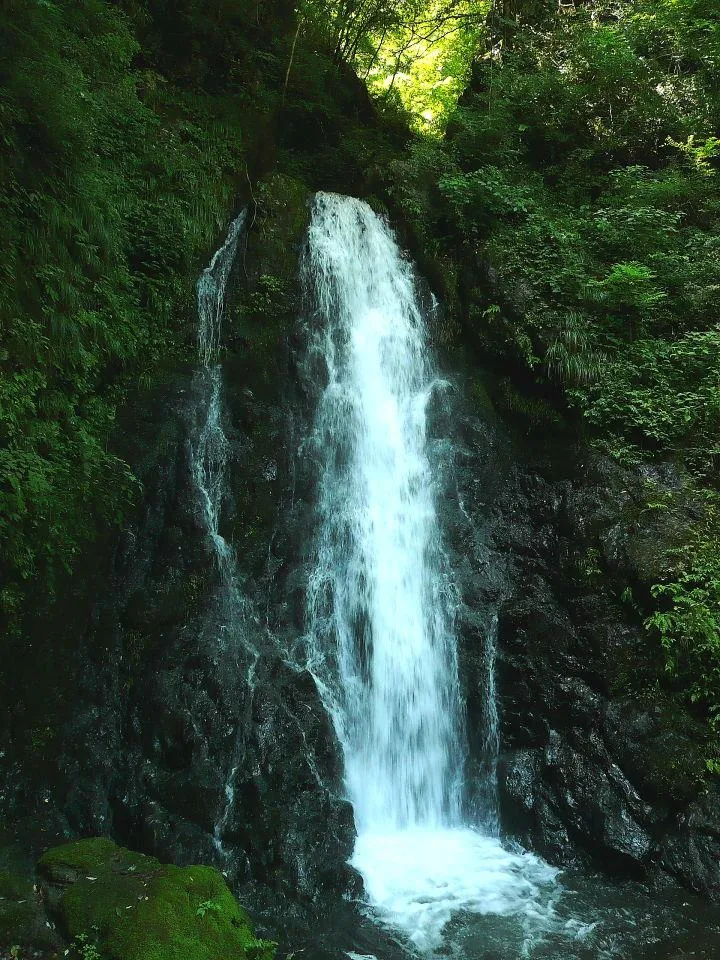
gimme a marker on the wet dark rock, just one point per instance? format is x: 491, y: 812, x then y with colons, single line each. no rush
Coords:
x: 193, y: 733
x: 692, y: 850
x: 592, y: 768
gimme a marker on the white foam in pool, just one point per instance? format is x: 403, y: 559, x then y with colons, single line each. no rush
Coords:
x: 417, y: 879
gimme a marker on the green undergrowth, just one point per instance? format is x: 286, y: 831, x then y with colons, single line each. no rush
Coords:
x: 687, y: 618
x: 115, y: 184
x: 268, y: 299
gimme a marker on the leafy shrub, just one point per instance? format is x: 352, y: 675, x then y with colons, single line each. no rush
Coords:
x: 688, y: 619
x: 475, y: 198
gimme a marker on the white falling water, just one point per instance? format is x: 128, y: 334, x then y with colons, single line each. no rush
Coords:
x: 488, y: 799
x: 210, y: 449
x: 211, y: 287
x: 380, y: 551
x: 380, y: 603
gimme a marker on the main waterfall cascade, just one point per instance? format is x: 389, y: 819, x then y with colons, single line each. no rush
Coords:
x: 381, y: 601
x: 380, y: 552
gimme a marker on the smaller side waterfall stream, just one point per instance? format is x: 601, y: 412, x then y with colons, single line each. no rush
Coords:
x: 380, y: 601
x: 211, y: 287
x: 210, y: 450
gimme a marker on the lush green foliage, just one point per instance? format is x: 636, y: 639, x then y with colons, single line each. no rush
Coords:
x: 688, y: 620
x: 423, y: 60
x: 586, y: 162
x: 586, y: 158
x: 414, y: 55
x: 115, y: 182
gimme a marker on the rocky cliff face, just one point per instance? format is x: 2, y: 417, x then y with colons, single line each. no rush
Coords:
x: 598, y: 764
x: 193, y: 732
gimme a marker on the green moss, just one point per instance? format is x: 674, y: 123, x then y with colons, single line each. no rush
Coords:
x: 13, y: 887
x: 283, y: 215
x: 378, y: 205
x: 675, y: 755
x: 135, y: 908
x: 678, y: 766
x: 271, y: 298
x: 481, y: 398
x: 91, y: 856
x: 530, y: 412
x: 17, y: 907
x: 283, y: 206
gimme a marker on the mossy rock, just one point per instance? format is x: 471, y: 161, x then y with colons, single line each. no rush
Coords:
x: 284, y: 206
x: 132, y: 907
x: 261, y: 317
x: 525, y: 411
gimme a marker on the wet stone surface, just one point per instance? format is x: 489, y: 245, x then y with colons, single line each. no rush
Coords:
x: 590, y: 772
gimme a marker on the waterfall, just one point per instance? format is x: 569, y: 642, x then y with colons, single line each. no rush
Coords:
x: 210, y: 288
x: 380, y: 599
x: 209, y: 453
x: 380, y: 552
x: 210, y: 449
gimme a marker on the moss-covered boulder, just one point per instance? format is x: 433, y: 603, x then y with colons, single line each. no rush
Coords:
x: 132, y: 907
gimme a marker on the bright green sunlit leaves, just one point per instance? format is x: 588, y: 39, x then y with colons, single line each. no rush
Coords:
x: 415, y: 53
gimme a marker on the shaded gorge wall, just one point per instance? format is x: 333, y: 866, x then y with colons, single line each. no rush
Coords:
x: 178, y: 704
x: 202, y: 740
